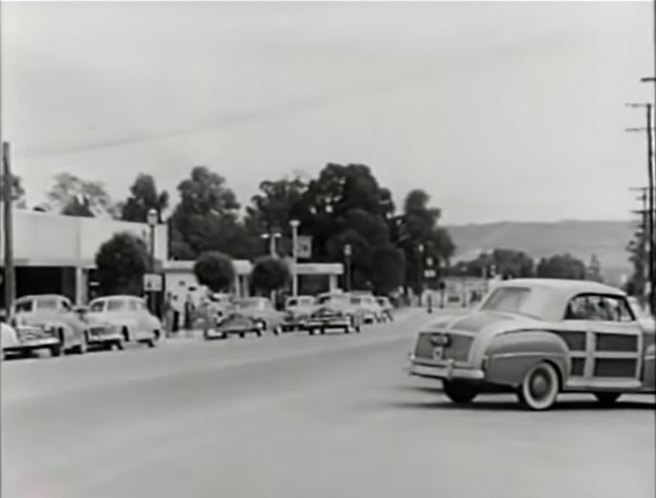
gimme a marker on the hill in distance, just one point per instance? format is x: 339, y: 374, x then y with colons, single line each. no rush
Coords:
x: 605, y: 239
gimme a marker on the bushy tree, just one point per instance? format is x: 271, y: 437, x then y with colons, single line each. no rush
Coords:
x: 269, y: 274
x: 206, y: 211
x: 122, y: 262
x: 561, y: 266
x: 77, y: 197
x: 215, y: 270
x: 144, y: 196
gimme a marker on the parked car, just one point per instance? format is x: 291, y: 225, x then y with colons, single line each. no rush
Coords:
x: 25, y: 339
x: 387, y: 307
x: 124, y: 319
x: 297, y: 311
x: 334, y: 311
x: 538, y: 338
x: 369, y: 308
x: 215, y: 308
x: 54, y: 316
x: 261, y: 310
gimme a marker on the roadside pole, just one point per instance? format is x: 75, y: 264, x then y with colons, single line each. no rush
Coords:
x: 9, y: 274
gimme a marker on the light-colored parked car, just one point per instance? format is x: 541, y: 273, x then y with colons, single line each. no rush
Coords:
x: 25, y: 339
x: 334, y: 311
x: 538, y: 338
x: 297, y: 311
x: 129, y: 320
x: 39, y: 317
x: 370, y: 309
x: 262, y: 310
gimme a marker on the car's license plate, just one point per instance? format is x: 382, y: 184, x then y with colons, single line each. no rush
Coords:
x: 438, y: 353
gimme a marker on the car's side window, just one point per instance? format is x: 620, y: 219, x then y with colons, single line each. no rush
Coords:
x: 65, y: 305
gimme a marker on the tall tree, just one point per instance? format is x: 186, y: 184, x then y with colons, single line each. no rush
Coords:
x: 506, y: 263
x: 206, y: 211
x: 122, y: 262
x: 72, y: 194
x: 144, y: 196
x: 422, y: 240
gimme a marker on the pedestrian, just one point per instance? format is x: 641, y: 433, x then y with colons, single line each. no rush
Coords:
x: 175, y: 305
x: 188, y: 313
x: 168, y: 314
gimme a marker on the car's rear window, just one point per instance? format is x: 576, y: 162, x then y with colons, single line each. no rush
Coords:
x: 511, y: 299
x: 116, y: 305
x: 292, y: 302
x: 46, y: 304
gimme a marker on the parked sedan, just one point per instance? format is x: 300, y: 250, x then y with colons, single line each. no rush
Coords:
x: 25, y: 339
x: 538, y: 338
x: 262, y: 312
x: 334, y: 312
x: 116, y: 320
x: 50, y: 315
x: 297, y: 311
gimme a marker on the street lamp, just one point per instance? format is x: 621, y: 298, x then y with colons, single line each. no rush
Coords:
x: 152, y: 218
x: 347, y: 256
x: 294, y: 224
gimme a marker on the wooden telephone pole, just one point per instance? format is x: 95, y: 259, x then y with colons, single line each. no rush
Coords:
x: 7, y: 201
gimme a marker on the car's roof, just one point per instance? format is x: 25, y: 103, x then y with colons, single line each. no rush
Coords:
x: 565, y: 286
x: 40, y: 296
x: 116, y: 298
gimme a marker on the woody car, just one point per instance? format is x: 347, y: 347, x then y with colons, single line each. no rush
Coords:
x: 539, y: 338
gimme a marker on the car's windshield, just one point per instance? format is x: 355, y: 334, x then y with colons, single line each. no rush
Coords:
x: 509, y: 299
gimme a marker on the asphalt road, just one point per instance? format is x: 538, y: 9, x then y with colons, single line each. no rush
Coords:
x: 301, y: 417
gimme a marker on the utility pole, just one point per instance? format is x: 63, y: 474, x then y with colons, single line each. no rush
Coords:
x: 651, y: 229
x: 7, y: 201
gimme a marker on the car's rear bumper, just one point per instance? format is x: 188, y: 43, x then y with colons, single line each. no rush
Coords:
x: 446, y: 371
x: 104, y: 338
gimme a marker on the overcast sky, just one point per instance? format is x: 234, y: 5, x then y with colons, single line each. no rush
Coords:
x: 501, y: 111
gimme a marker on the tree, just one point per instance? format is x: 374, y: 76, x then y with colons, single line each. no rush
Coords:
x: 561, y: 266
x: 507, y: 263
x: 17, y: 191
x: 77, y: 197
x: 417, y: 232
x: 389, y: 263
x: 122, y: 262
x: 144, y: 197
x: 269, y: 274
x: 215, y: 270
x: 346, y: 205
x: 207, y: 210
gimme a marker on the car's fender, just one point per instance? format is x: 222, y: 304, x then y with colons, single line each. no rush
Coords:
x: 8, y: 336
x: 509, y: 356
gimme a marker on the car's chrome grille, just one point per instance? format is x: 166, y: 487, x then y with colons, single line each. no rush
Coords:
x: 32, y: 333
x: 457, y: 349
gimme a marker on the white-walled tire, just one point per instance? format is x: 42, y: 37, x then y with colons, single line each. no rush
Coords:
x: 539, y: 388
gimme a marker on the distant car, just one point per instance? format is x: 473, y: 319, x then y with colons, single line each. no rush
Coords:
x: 25, y: 339
x: 128, y: 319
x: 297, y: 311
x: 386, y: 306
x: 40, y: 317
x: 369, y: 308
x: 538, y: 338
x: 334, y: 312
x: 262, y: 311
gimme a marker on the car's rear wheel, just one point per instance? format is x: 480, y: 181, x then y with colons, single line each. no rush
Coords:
x: 540, y: 387
x: 460, y: 392
x: 82, y: 347
x: 56, y: 350
x: 118, y: 344
x: 607, y: 398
